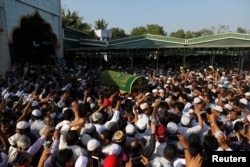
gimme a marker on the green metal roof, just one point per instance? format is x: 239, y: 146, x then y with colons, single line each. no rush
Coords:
x: 238, y: 36
x: 158, y: 41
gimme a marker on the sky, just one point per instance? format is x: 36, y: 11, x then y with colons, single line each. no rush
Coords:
x: 172, y: 15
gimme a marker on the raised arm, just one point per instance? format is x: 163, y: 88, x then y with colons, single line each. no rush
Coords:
x: 25, y: 111
x: 4, y: 142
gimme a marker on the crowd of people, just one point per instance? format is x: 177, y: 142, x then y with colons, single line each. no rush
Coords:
x: 64, y: 116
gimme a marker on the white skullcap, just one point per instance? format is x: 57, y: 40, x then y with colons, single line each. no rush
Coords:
x: 22, y: 125
x: 230, y: 86
x: 130, y: 129
x: 88, y: 99
x: 218, y: 108
x: 34, y: 103
x: 93, y: 144
x: 96, y: 116
x: 114, y: 149
x: 243, y: 101
x: 144, y: 106
x: 185, y: 119
x: 228, y: 106
x: 172, y: 127
x: 88, y: 128
x: 247, y: 94
x: 141, y: 124
x: 82, y: 161
x: 161, y: 90
x: 154, y: 90
x: 197, y: 100
x: 36, y: 113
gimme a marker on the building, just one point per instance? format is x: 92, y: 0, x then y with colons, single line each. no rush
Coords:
x: 229, y: 50
x: 30, y: 30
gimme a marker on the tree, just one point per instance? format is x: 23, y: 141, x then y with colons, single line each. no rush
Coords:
x: 223, y: 29
x: 72, y: 19
x: 155, y: 29
x: 149, y: 29
x: 101, y: 24
x: 241, y: 30
x: 203, y: 32
x: 118, y: 33
x: 189, y: 35
x: 178, y: 34
x: 138, y: 31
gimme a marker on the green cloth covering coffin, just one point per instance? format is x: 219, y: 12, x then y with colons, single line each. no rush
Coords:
x: 124, y: 82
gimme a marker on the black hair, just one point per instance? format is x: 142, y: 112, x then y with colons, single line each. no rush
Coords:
x: 163, y: 116
x: 135, y: 148
x: 238, y: 126
x: 68, y: 114
x: 107, y: 134
x: 84, y: 109
x: 71, y: 137
x: 194, y: 138
x: 170, y: 152
x: 210, y: 143
x: 113, y: 127
x: 63, y: 156
x: 195, y: 149
x: 179, y: 105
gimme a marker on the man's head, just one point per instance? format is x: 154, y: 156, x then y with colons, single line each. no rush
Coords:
x: 20, y: 158
x: 48, y: 120
x: 106, y: 137
x: 23, y: 143
x: 65, y: 158
x: 170, y: 152
x: 71, y: 137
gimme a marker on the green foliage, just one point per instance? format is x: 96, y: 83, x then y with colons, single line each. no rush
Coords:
x: 149, y: 29
x: 178, y: 34
x: 138, y: 31
x: 72, y: 19
x: 203, y: 32
x: 189, y: 35
x: 101, y: 24
x: 155, y: 29
x: 118, y: 33
x: 241, y: 30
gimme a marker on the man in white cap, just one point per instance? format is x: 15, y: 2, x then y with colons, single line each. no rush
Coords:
x: 35, y: 122
x: 247, y: 96
x: 94, y: 148
x: 218, y: 112
x: 130, y: 131
x: 184, y: 127
x: 97, y: 117
x: 82, y: 161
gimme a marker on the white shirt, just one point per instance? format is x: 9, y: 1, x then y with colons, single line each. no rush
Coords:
x: 78, y: 151
x: 159, y: 148
x: 160, y: 162
x: 36, y: 126
x: 115, y: 118
x: 185, y: 131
